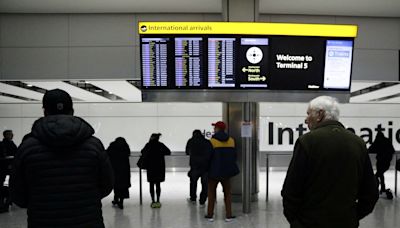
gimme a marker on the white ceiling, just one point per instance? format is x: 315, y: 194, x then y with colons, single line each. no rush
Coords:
x: 122, y: 89
x: 359, y: 85
x: 74, y: 91
x: 388, y: 91
x: 373, y: 8
x: 130, y: 93
x: 14, y: 90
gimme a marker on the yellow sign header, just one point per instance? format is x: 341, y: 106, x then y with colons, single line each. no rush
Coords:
x: 248, y: 28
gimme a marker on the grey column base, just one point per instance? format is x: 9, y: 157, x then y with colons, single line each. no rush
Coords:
x: 237, y: 198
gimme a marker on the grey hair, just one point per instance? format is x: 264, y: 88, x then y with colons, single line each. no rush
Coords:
x: 329, y: 104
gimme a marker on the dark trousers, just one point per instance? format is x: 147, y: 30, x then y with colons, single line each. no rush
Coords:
x: 381, y: 180
x: 204, y: 187
x: 212, y: 193
x: 3, y: 196
x: 158, y: 190
x: 381, y: 168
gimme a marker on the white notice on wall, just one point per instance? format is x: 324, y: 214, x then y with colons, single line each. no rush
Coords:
x: 246, y: 129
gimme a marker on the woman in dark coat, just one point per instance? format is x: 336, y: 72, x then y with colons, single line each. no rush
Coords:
x: 119, y: 153
x: 153, y: 153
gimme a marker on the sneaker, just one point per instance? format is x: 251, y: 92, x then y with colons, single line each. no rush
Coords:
x: 202, y: 205
x: 230, y: 219
x: 389, y: 194
x: 158, y: 205
x: 153, y: 205
x: 191, y: 201
x: 209, y: 218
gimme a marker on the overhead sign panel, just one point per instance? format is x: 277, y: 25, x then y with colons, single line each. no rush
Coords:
x: 246, y: 28
x: 239, y: 56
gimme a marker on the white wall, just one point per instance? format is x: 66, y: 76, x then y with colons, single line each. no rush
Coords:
x: 134, y: 121
x: 76, y: 46
x: 106, y: 46
x: 176, y: 121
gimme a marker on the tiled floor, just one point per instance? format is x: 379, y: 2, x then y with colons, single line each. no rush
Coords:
x: 176, y: 212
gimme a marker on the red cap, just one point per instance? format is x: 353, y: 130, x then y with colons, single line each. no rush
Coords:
x: 221, y: 125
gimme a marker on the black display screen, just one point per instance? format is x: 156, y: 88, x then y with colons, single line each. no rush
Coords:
x: 154, y: 62
x: 188, y: 62
x: 255, y: 62
x: 296, y: 63
x: 221, y: 62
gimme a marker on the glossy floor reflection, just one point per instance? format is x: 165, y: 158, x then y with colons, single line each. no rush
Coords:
x: 177, y: 212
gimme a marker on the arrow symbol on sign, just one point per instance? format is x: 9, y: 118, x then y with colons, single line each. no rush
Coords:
x: 244, y: 70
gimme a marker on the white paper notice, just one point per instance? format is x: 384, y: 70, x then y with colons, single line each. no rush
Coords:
x: 247, y: 129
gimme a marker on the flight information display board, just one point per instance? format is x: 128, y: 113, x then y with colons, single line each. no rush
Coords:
x: 182, y: 56
x: 188, y: 62
x: 221, y: 62
x: 154, y: 62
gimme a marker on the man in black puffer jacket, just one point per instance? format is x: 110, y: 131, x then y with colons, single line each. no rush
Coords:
x: 200, y: 151
x: 61, y: 171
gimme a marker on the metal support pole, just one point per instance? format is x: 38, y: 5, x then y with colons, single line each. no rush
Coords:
x: 140, y: 186
x: 267, y: 178
x: 247, y: 158
x: 395, y: 176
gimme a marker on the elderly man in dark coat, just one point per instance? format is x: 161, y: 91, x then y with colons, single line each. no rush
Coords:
x: 61, y: 171
x: 330, y: 182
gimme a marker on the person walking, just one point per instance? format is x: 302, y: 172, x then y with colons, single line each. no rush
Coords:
x: 329, y: 182
x: 222, y: 168
x: 384, y: 151
x: 199, y: 149
x: 8, y: 146
x: 61, y: 171
x: 153, y: 153
x: 119, y: 153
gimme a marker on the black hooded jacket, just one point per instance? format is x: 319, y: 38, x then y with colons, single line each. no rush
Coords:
x: 200, y: 151
x: 384, y: 150
x: 61, y: 173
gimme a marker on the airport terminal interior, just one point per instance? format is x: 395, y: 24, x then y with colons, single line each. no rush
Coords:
x: 138, y: 67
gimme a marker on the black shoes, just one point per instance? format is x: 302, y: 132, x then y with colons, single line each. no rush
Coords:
x: 120, y: 204
x: 389, y: 194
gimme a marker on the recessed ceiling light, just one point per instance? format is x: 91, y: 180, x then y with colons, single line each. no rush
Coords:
x: 29, y: 85
x: 98, y: 90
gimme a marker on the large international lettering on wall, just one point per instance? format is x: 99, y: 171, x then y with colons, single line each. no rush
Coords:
x: 280, y: 133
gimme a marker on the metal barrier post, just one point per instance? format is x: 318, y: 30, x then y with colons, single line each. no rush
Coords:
x: 267, y: 177
x: 395, y: 176
x: 140, y: 186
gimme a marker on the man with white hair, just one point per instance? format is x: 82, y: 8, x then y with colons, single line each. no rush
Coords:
x: 329, y: 182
